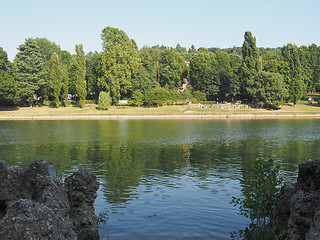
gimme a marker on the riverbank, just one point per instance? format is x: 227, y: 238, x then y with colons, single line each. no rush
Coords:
x: 90, y: 112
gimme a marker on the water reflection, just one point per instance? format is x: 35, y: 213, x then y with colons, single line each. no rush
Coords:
x: 163, y: 175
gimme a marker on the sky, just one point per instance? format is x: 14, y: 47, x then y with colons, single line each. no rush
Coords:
x: 203, y: 23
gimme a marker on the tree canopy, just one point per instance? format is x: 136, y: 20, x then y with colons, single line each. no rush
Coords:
x: 265, y: 77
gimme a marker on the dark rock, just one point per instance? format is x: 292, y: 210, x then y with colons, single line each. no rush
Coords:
x: 298, y: 211
x: 35, y: 204
x: 81, y: 188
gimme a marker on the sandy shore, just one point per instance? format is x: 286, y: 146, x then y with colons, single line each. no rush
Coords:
x: 129, y: 117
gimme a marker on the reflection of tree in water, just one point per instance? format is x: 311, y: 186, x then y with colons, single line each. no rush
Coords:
x: 127, y: 165
x: 123, y: 172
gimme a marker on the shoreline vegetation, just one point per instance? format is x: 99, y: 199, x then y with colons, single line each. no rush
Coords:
x: 191, y: 111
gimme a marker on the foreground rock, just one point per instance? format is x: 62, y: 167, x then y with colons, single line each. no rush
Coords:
x: 36, y: 204
x: 298, y: 211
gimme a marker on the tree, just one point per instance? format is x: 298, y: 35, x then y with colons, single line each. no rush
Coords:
x: 93, y: 72
x: 7, y: 83
x: 7, y: 88
x: 171, y: 69
x: 65, y: 83
x: 137, y: 98
x: 251, y: 63
x: 28, y: 71
x: 211, y: 84
x: 77, y: 73
x: 55, y: 78
x: 229, y: 85
x: 199, y: 65
x: 267, y: 89
x: 142, y: 81
x: 292, y: 73
x: 46, y: 48
x: 120, y: 62
x: 104, y: 101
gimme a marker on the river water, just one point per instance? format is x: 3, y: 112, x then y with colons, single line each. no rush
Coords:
x: 163, y: 179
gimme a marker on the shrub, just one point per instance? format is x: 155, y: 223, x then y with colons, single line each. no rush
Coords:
x: 156, y: 97
x: 104, y: 101
x: 199, y: 96
x: 137, y: 98
x: 261, y: 190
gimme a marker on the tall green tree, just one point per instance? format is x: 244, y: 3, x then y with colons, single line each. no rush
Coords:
x: 200, y: 64
x: 251, y: 63
x: 28, y: 71
x: 65, y: 83
x: 93, y: 73
x: 146, y: 77
x: 47, y: 48
x: 172, y: 67
x: 77, y: 73
x: 119, y: 61
x: 314, y: 62
x: 292, y: 73
x: 55, y: 78
x: 7, y: 83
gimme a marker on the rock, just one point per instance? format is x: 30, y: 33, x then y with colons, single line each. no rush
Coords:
x: 35, y: 204
x: 298, y: 211
x: 81, y: 189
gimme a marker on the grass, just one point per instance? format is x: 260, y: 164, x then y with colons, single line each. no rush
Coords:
x: 302, y: 107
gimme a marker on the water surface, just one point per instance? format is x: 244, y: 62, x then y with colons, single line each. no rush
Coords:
x: 163, y: 179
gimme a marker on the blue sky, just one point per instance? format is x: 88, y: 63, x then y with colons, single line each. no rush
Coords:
x: 203, y: 23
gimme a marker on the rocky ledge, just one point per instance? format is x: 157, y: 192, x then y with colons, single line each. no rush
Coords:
x: 36, y: 204
x: 298, y: 210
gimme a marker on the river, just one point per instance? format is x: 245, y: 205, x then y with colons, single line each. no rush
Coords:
x: 163, y: 179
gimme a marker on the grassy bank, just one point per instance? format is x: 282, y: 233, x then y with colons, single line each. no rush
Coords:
x: 303, y: 108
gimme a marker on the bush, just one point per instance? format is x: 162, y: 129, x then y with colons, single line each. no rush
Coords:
x: 104, y: 101
x: 137, y: 98
x: 172, y: 97
x: 156, y: 97
x: 90, y: 101
x: 261, y: 190
x: 199, y: 96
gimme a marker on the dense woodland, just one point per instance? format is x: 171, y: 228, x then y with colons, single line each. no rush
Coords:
x: 43, y: 74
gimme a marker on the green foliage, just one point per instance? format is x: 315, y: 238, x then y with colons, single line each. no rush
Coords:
x: 28, y: 71
x: 199, y: 96
x: 251, y: 63
x: 77, y: 73
x: 173, y: 97
x: 65, y: 84
x: 260, y: 190
x: 200, y: 64
x: 55, y: 78
x: 104, y: 101
x: 267, y: 89
x: 156, y: 97
x: 137, y: 98
x: 143, y: 80
x: 120, y: 62
x: 7, y: 82
x: 172, y: 69
x: 81, y: 85
x: 185, y: 97
x: 292, y: 73
x: 93, y: 72
x: 7, y: 88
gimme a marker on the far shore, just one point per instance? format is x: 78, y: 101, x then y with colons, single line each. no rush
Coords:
x: 90, y: 112
x: 147, y: 117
